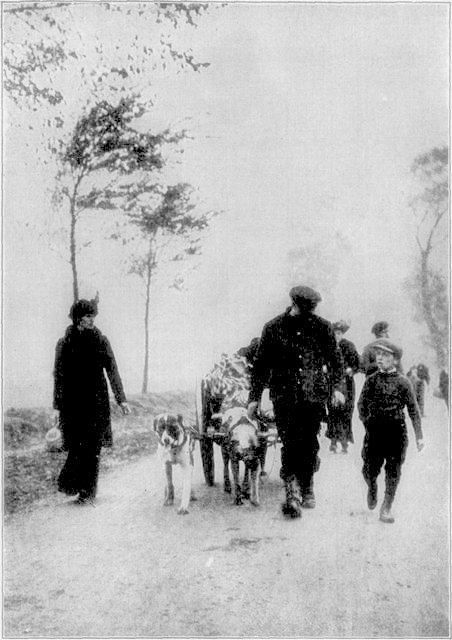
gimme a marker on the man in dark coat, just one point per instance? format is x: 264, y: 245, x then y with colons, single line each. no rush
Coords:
x: 340, y: 416
x: 81, y: 398
x: 298, y: 360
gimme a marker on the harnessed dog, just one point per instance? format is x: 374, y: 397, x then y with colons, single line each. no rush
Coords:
x: 175, y: 446
x: 241, y: 443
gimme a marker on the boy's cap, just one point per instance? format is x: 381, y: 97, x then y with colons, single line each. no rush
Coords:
x: 386, y: 345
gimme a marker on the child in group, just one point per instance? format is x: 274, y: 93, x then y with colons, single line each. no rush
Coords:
x: 384, y: 396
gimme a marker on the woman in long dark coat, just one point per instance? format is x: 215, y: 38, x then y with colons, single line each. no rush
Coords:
x: 340, y: 416
x: 81, y: 398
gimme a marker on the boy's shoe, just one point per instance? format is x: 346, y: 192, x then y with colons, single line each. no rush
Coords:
x: 372, y: 495
x: 386, y: 515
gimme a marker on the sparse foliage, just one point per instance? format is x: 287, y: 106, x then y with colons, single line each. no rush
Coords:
x: 107, y: 163
x: 168, y: 229
x: 428, y: 286
x: 47, y: 42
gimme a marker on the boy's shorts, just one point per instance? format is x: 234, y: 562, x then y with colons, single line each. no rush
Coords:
x: 384, y: 442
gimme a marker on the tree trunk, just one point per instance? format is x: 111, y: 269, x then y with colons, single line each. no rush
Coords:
x: 72, y: 248
x: 144, y: 388
x: 432, y: 325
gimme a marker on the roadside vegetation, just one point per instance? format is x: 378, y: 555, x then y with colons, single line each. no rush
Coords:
x: 30, y: 470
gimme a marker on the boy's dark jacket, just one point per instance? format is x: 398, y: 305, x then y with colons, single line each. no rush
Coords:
x: 383, y: 399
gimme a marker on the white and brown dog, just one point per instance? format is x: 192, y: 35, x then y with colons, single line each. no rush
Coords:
x: 176, y: 446
x: 241, y: 444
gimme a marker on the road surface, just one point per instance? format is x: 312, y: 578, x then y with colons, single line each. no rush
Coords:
x: 131, y: 567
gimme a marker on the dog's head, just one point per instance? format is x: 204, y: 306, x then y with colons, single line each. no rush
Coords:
x: 170, y: 429
x: 242, y: 432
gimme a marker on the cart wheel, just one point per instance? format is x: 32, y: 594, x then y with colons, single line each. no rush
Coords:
x: 208, y: 464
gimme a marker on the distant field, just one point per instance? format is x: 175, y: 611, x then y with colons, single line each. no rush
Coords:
x: 30, y: 470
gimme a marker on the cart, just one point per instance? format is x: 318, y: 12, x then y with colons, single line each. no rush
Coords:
x: 210, y: 432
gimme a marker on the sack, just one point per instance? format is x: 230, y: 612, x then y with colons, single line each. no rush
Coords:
x: 54, y: 439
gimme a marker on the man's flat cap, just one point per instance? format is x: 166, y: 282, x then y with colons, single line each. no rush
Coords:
x: 386, y: 345
x: 305, y: 294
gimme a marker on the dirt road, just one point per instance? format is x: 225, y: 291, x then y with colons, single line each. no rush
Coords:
x: 130, y: 567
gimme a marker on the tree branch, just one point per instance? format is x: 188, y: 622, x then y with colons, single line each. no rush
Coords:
x: 34, y: 7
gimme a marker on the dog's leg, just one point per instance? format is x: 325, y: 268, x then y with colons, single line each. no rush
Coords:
x: 262, y: 454
x: 169, y: 489
x: 187, y: 471
x: 235, y: 462
x: 226, y: 480
x: 254, y: 486
x: 246, y: 483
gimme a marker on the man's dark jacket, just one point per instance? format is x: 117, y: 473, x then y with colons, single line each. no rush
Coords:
x: 294, y: 352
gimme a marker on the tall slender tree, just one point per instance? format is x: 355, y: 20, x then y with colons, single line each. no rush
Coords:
x: 169, y: 225
x: 104, y: 162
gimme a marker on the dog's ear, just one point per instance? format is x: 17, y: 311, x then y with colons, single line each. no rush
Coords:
x: 156, y: 423
x: 180, y: 419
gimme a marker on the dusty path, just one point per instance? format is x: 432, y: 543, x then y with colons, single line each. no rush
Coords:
x: 129, y: 567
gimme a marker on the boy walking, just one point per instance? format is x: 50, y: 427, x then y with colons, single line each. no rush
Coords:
x: 384, y: 396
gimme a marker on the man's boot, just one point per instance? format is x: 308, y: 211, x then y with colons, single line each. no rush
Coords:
x: 372, y: 494
x: 385, y: 511
x: 291, y: 507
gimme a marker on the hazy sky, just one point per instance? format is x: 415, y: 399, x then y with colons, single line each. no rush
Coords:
x: 306, y: 124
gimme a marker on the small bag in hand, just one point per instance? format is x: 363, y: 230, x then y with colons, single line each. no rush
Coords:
x: 54, y: 437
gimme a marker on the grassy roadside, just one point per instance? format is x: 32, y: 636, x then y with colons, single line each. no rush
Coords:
x: 30, y: 470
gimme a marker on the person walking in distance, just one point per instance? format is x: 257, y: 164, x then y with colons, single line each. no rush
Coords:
x: 383, y: 398
x: 82, y: 358
x: 298, y: 361
x: 340, y: 416
x: 423, y: 375
x: 444, y: 386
